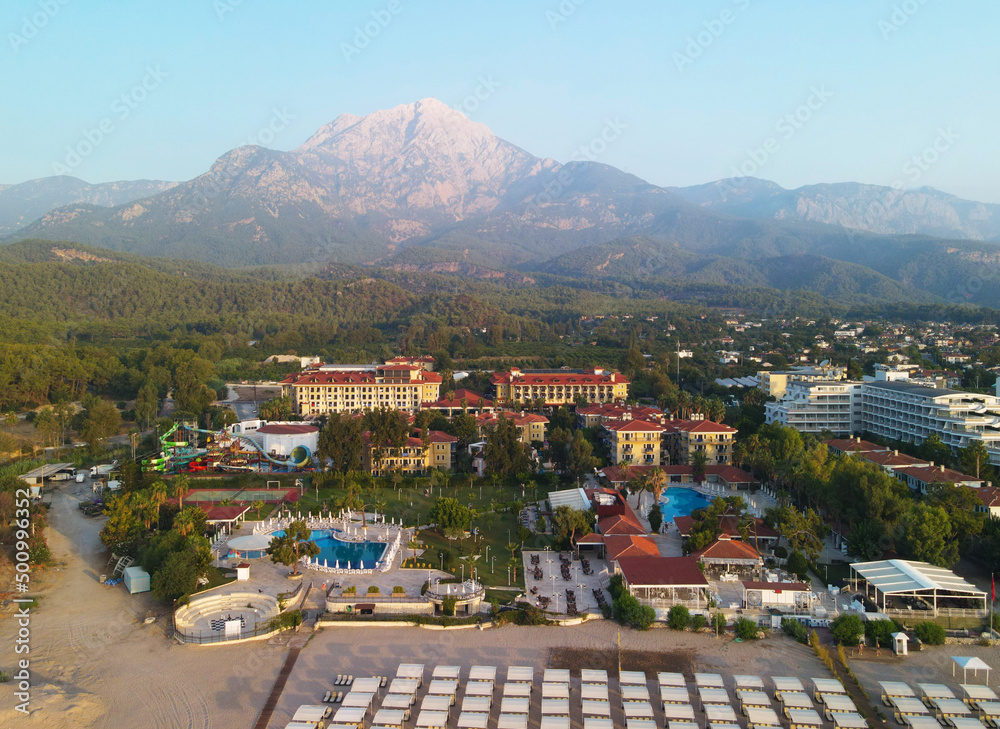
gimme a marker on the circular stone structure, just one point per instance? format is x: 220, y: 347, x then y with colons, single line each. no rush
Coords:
x: 225, y: 617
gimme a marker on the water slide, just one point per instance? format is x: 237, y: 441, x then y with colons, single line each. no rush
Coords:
x: 300, y: 456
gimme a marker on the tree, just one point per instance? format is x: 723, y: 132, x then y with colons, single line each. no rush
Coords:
x: 699, y: 462
x: 655, y: 517
x: 289, y: 548
x: 880, y: 632
x: 746, y: 629
x: 11, y: 420
x: 580, y: 460
x: 798, y: 564
x: 178, y: 576
x: 569, y: 523
x: 960, y: 504
x: 279, y: 408
x: 341, y: 442
x: 678, y: 617
x: 386, y: 428
x: 927, y: 535
x: 974, y: 459
x: 189, y: 520
x: 629, y: 611
x: 120, y: 534
x: 847, y: 629
x: 505, y: 454
x: 450, y: 515
x: 179, y: 487
x: 101, y: 420
x: 147, y: 405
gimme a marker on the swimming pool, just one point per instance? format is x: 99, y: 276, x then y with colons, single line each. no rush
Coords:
x: 333, y: 550
x: 681, y: 501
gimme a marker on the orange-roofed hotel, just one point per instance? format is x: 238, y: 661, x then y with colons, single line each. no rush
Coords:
x: 335, y: 389
x: 560, y: 387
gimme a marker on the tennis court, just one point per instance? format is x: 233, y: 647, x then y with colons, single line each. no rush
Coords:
x: 268, y: 496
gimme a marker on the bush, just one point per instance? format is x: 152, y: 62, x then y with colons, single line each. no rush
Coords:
x: 718, y: 622
x: 698, y: 622
x: 398, y: 590
x: 350, y: 590
x: 448, y: 606
x: 678, y: 617
x: 798, y: 564
x: 373, y: 590
x: 746, y: 629
x: 780, y: 552
x: 629, y: 611
x: 796, y: 629
x: 930, y: 633
x: 880, y: 632
x: 847, y: 629
x: 616, y: 586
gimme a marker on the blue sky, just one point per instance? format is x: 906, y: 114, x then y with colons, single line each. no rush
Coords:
x: 885, y: 91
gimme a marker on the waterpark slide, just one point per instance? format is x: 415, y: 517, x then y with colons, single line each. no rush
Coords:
x: 299, y: 458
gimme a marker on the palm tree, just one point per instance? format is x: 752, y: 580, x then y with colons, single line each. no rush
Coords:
x: 180, y: 487
x: 11, y: 420
x: 656, y: 480
x: 294, y: 545
x: 257, y: 505
x: 185, y: 521
x: 698, y: 463
x: 158, y: 493
x: 144, y: 508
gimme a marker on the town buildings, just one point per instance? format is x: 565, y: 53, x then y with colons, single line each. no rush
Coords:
x: 818, y: 406
x: 559, y: 387
x: 329, y: 389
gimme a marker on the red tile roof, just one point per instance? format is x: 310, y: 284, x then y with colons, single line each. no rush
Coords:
x: 696, y: 426
x: 620, y: 524
x: 661, y: 572
x: 472, y: 399
x: 635, y: 426
x: 568, y: 377
x: 359, y: 377
x: 436, y: 436
x: 892, y: 459
x: 224, y: 513
x: 728, y: 474
x: 937, y: 474
x: 853, y: 445
x: 728, y: 549
x: 617, y: 546
x: 989, y: 495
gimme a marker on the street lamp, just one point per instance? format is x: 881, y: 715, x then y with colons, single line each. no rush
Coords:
x: 441, y: 555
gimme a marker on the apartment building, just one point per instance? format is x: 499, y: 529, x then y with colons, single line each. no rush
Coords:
x: 530, y: 426
x: 897, y: 409
x: 776, y: 383
x: 635, y: 442
x: 559, y: 387
x: 330, y: 389
x: 416, y: 457
x: 683, y: 438
x: 814, y: 407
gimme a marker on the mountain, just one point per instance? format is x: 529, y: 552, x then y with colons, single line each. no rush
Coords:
x: 24, y: 203
x: 421, y: 188
x: 872, y: 208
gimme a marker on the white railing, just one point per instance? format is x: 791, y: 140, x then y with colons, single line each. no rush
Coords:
x: 382, y: 565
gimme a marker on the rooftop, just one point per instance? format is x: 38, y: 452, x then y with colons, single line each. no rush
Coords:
x: 662, y: 571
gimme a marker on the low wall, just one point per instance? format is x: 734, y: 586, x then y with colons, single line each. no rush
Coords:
x: 394, y: 606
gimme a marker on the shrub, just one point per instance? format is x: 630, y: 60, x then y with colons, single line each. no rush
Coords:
x: 930, y: 633
x: 798, y: 564
x: 880, y: 632
x: 616, y: 586
x: 373, y: 590
x: 718, y: 622
x: 350, y: 590
x: 398, y: 590
x: 448, y: 606
x: 796, y: 629
x: 780, y: 552
x: 678, y: 617
x: 698, y: 622
x: 847, y: 629
x: 746, y: 629
x: 629, y: 611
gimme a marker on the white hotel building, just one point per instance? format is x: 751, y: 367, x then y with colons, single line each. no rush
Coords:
x: 815, y: 407
x: 891, y: 407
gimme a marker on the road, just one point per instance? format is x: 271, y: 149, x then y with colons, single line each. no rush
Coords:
x: 245, y: 410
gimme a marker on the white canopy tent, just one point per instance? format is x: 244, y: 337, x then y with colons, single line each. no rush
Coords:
x: 905, y: 578
x: 967, y: 663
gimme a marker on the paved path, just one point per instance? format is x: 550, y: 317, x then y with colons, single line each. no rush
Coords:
x: 279, y: 685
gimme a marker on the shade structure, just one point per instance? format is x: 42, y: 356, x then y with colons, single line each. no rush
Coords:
x: 432, y: 719
x: 921, y: 722
x: 311, y: 712
x: 366, y: 685
x: 905, y: 706
x: 787, y: 683
x: 311, y: 725
x: 838, y: 704
x: 520, y: 674
x: 250, y: 543
x: 796, y: 700
x: 678, y: 712
x: 355, y: 699
x: 970, y: 663
x: 554, y: 722
x: 477, y: 704
x: 398, y: 701
x: 743, y: 680
x: 593, y: 675
x: 404, y: 686
x: 674, y: 695
x: 977, y: 692
x: 752, y: 697
x: 556, y: 675
x: 719, y: 713
x: 453, y: 672
x: 708, y: 680
x: 514, y: 705
x: 760, y: 717
x: 521, y: 690
x: 682, y: 724
x: 483, y: 673
x: 948, y: 708
x: 990, y: 709
x: 935, y: 691
x: 637, y: 710
x: 632, y: 678
x: 671, y: 679
x: 596, y: 708
x: 640, y: 724
x: 849, y: 720
x: 443, y: 687
x: 594, y: 692
x: 804, y: 719
x: 473, y: 720
x: 512, y: 721
x: 906, y: 578
x: 895, y: 689
x: 436, y: 703
x: 713, y: 696
x: 965, y: 722
x: 635, y: 693
x: 389, y: 717
x: 411, y: 670
x: 555, y: 707
x: 479, y: 688
x: 555, y: 691
x: 593, y: 722
x: 827, y: 686
x: 352, y: 715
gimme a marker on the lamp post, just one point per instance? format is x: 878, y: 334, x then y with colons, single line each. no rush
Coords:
x: 441, y: 555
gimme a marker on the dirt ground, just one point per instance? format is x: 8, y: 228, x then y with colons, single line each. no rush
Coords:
x: 96, y: 664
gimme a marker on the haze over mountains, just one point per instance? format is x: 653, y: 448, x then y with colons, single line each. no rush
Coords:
x: 421, y: 187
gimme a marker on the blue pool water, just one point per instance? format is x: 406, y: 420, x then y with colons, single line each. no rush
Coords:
x: 680, y: 501
x: 332, y: 549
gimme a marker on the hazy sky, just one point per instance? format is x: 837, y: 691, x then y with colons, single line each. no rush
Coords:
x: 879, y: 91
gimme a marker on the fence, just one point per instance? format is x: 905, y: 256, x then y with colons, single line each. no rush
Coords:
x: 201, y: 637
